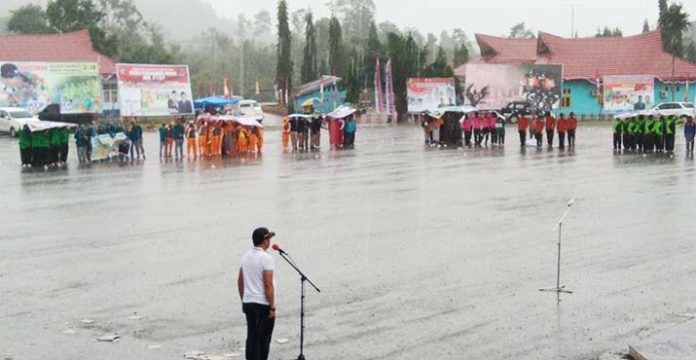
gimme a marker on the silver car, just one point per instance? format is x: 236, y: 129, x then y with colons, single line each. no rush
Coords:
x: 13, y: 119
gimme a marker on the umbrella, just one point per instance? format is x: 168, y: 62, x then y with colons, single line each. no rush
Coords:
x: 342, y: 112
x: 314, y: 102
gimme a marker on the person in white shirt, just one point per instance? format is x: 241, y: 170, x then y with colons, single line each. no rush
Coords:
x: 257, y: 292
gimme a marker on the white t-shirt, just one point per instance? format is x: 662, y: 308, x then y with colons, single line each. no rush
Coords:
x: 254, y: 263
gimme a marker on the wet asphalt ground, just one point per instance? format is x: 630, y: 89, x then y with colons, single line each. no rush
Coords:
x: 420, y: 253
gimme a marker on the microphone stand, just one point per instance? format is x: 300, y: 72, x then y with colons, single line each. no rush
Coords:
x: 560, y: 289
x: 303, y: 281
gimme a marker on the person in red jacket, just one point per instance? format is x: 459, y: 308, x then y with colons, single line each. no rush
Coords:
x: 550, y: 128
x: 572, y: 127
x: 539, y: 130
x: 561, y: 128
x: 522, y: 125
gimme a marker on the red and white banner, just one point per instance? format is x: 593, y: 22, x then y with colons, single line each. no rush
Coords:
x: 379, y: 99
x: 390, y: 106
x: 154, y: 90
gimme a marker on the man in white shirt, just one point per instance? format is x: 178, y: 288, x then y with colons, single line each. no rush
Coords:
x: 257, y: 292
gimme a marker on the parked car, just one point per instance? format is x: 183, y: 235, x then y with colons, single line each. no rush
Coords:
x: 516, y: 109
x: 13, y: 119
x: 681, y: 110
x: 251, y: 108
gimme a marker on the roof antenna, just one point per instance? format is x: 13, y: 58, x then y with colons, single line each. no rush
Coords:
x: 572, y: 21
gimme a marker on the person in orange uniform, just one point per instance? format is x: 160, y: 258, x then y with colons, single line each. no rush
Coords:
x: 572, y: 127
x: 242, y: 141
x: 191, y: 141
x: 550, y: 128
x: 538, y: 126
x: 215, y: 134
x: 253, y: 140
x: 522, y: 125
x: 286, y: 134
x: 259, y: 144
x: 203, y: 138
x: 561, y: 128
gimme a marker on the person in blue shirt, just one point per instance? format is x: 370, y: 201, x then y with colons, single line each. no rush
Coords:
x: 178, y: 132
x: 689, y: 133
x: 163, y: 131
x: 349, y: 136
x: 136, y: 137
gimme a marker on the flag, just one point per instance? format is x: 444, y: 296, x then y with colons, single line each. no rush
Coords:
x: 287, y: 94
x: 391, y: 109
x: 335, y: 90
x: 226, y: 90
x: 378, y: 87
x: 321, y: 89
x: 686, y: 90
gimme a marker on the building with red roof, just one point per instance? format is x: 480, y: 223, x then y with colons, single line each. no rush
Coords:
x: 587, y: 60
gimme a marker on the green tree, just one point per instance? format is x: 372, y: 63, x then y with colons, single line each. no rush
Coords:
x: 284, y: 67
x: 309, y: 63
x: 674, y: 22
x: 335, y: 47
x: 520, y: 31
x: 607, y: 32
x: 405, y: 57
x: 646, y: 26
x: 356, y: 17
x: 461, y: 55
x: 691, y: 52
x: 74, y: 15
x: 352, y: 77
x: 29, y: 19
x: 440, y: 67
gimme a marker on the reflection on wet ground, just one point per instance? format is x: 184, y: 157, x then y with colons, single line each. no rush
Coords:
x: 421, y: 253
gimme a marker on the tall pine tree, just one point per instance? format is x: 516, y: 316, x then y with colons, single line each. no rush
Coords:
x: 309, y: 65
x: 335, y: 47
x: 284, y: 51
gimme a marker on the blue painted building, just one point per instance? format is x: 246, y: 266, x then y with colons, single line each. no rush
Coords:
x: 322, y: 93
x: 587, y: 61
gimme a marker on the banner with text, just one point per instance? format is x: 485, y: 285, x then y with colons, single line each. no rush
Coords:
x: 154, y: 90
x: 76, y: 87
x: 430, y: 93
x: 628, y: 93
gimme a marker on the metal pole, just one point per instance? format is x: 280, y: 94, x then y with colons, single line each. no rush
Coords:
x: 302, y: 324
x: 558, y: 269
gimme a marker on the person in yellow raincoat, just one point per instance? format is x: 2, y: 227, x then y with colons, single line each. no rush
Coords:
x: 215, y: 140
x: 203, y: 139
x: 242, y: 141
x: 286, y: 134
x: 191, y: 141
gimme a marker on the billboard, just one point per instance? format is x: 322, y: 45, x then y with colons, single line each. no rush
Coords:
x: 628, y: 93
x: 430, y: 93
x: 493, y: 86
x: 76, y: 87
x: 154, y: 90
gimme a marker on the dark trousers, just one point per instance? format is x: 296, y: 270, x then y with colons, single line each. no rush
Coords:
x: 571, y: 138
x: 349, y: 139
x: 501, y: 138
x: 40, y: 156
x: 649, y: 143
x: 539, y: 139
x: 467, y: 138
x: 485, y: 135
x: 55, y: 154
x: 659, y: 144
x: 494, y: 136
x: 561, y: 139
x: 669, y: 142
x: 617, y: 141
x: 25, y: 155
x: 259, y: 331
x: 523, y: 138
x: 640, y: 142
x: 64, y: 149
x: 549, y: 137
x: 690, y: 144
x: 477, y: 137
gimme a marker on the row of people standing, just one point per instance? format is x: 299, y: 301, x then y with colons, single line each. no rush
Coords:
x: 303, y: 132
x: 480, y: 126
x: 648, y: 133
x: 132, y: 145
x: 209, y: 138
x: 44, y: 148
x: 547, y: 124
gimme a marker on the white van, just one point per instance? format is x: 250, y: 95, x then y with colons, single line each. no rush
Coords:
x: 251, y: 108
x: 13, y: 119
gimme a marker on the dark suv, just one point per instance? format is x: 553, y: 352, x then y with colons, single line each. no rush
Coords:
x: 516, y: 109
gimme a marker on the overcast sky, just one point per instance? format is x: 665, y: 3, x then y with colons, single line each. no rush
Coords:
x: 493, y: 17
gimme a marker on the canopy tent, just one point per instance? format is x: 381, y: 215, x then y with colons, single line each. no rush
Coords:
x: 214, y: 101
x: 342, y: 112
x: 39, y: 125
x: 244, y: 121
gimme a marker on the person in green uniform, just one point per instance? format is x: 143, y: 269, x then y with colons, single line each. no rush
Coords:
x: 624, y: 131
x: 64, y: 145
x: 640, y: 133
x: 500, y: 130
x: 670, y: 133
x: 617, y: 127
x: 649, y: 134
x: 25, y: 137
x: 658, y: 131
x: 41, y: 143
x: 54, y: 149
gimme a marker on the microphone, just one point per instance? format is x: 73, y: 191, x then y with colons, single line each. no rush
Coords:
x: 278, y: 249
